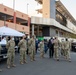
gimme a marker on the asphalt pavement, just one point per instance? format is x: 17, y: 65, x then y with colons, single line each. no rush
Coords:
x: 45, y: 66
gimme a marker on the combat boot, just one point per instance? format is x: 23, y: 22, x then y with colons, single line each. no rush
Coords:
x: 25, y: 61
x: 31, y: 60
x: 13, y: 65
x: 57, y: 59
x: 21, y: 63
x: 8, y: 67
x: 0, y: 70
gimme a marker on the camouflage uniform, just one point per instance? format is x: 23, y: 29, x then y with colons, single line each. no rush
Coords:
x: 11, y: 52
x: 23, y: 48
x: 0, y: 49
x: 31, y: 44
x: 41, y: 46
x: 67, y: 49
x: 29, y: 47
x: 6, y: 39
x: 0, y: 53
x: 63, y: 48
x: 56, y: 48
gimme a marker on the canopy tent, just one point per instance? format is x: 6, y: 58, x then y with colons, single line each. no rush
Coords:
x: 9, y: 32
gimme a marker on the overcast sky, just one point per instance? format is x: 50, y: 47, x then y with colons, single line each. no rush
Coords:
x: 21, y: 5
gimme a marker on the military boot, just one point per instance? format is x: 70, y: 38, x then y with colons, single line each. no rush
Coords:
x: 0, y: 70
x: 13, y: 65
x: 8, y: 67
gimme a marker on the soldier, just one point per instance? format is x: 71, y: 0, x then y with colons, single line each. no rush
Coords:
x: 23, y: 48
x: 41, y: 46
x: 29, y: 50
x: 67, y: 49
x: 11, y: 52
x: 6, y: 38
x: 63, y: 47
x: 56, y: 47
x: 31, y: 44
x: 0, y: 53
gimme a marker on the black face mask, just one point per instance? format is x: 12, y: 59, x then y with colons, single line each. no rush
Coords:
x: 25, y: 38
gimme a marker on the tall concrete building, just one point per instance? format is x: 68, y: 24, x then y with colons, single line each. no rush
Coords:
x: 56, y: 20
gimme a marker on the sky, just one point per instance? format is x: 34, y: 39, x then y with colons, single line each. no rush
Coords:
x: 29, y: 6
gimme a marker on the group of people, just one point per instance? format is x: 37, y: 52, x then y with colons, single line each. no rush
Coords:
x: 53, y: 44
x: 22, y: 47
x: 56, y: 47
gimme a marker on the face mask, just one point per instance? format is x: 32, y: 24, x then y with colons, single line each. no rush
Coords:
x: 12, y: 38
x: 62, y: 40
x: 28, y: 37
x: 4, y: 38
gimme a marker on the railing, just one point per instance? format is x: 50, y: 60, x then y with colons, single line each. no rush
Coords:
x: 18, y: 27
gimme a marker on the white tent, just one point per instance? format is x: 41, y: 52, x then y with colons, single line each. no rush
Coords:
x: 9, y: 32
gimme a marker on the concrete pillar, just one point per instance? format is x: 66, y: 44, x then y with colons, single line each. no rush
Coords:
x: 32, y: 29
x: 52, y: 32
x: 58, y: 33
x: 38, y: 30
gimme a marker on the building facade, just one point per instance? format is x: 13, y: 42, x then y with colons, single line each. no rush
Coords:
x: 14, y: 19
x: 55, y: 21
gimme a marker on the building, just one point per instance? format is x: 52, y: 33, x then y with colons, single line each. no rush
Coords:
x: 55, y: 21
x: 14, y: 19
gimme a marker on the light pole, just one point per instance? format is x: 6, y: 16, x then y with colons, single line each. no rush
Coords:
x: 14, y: 16
x: 27, y: 8
x: 14, y: 5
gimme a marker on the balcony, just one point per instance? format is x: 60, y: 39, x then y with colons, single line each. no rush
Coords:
x: 18, y: 27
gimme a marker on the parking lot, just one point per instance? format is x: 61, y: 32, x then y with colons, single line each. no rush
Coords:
x: 44, y: 66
